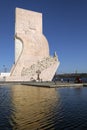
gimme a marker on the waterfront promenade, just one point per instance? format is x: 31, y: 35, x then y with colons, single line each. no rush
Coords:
x: 46, y: 84
x: 55, y: 84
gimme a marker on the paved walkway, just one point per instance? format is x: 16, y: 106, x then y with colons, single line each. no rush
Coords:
x: 55, y: 84
x: 46, y: 84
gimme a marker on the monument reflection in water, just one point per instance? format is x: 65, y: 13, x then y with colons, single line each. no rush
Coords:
x: 33, y: 107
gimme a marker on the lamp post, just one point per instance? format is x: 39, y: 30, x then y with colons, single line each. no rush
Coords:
x: 38, y: 74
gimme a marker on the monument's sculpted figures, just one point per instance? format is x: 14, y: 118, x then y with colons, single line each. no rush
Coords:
x: 32, y: 59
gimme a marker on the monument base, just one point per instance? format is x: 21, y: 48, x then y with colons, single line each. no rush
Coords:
x: 42, y: 70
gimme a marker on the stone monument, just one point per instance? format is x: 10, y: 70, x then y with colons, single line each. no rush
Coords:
x: 32, y: 58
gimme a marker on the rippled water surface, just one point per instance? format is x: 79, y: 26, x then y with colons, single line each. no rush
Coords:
x: 35, y: 108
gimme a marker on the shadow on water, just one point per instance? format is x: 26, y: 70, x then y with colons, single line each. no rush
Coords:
x: 35, y: 108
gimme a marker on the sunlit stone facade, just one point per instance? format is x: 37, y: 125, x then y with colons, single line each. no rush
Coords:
x: 32, y: 58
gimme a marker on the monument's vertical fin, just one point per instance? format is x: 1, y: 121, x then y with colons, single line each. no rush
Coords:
x: 31, y: 49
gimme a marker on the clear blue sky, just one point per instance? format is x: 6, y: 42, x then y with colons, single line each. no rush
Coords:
x: 64, y: 25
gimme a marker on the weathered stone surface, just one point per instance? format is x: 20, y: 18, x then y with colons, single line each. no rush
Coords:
x: 31, y: 49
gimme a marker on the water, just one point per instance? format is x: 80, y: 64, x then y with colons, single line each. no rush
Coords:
x: 35, y: 108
